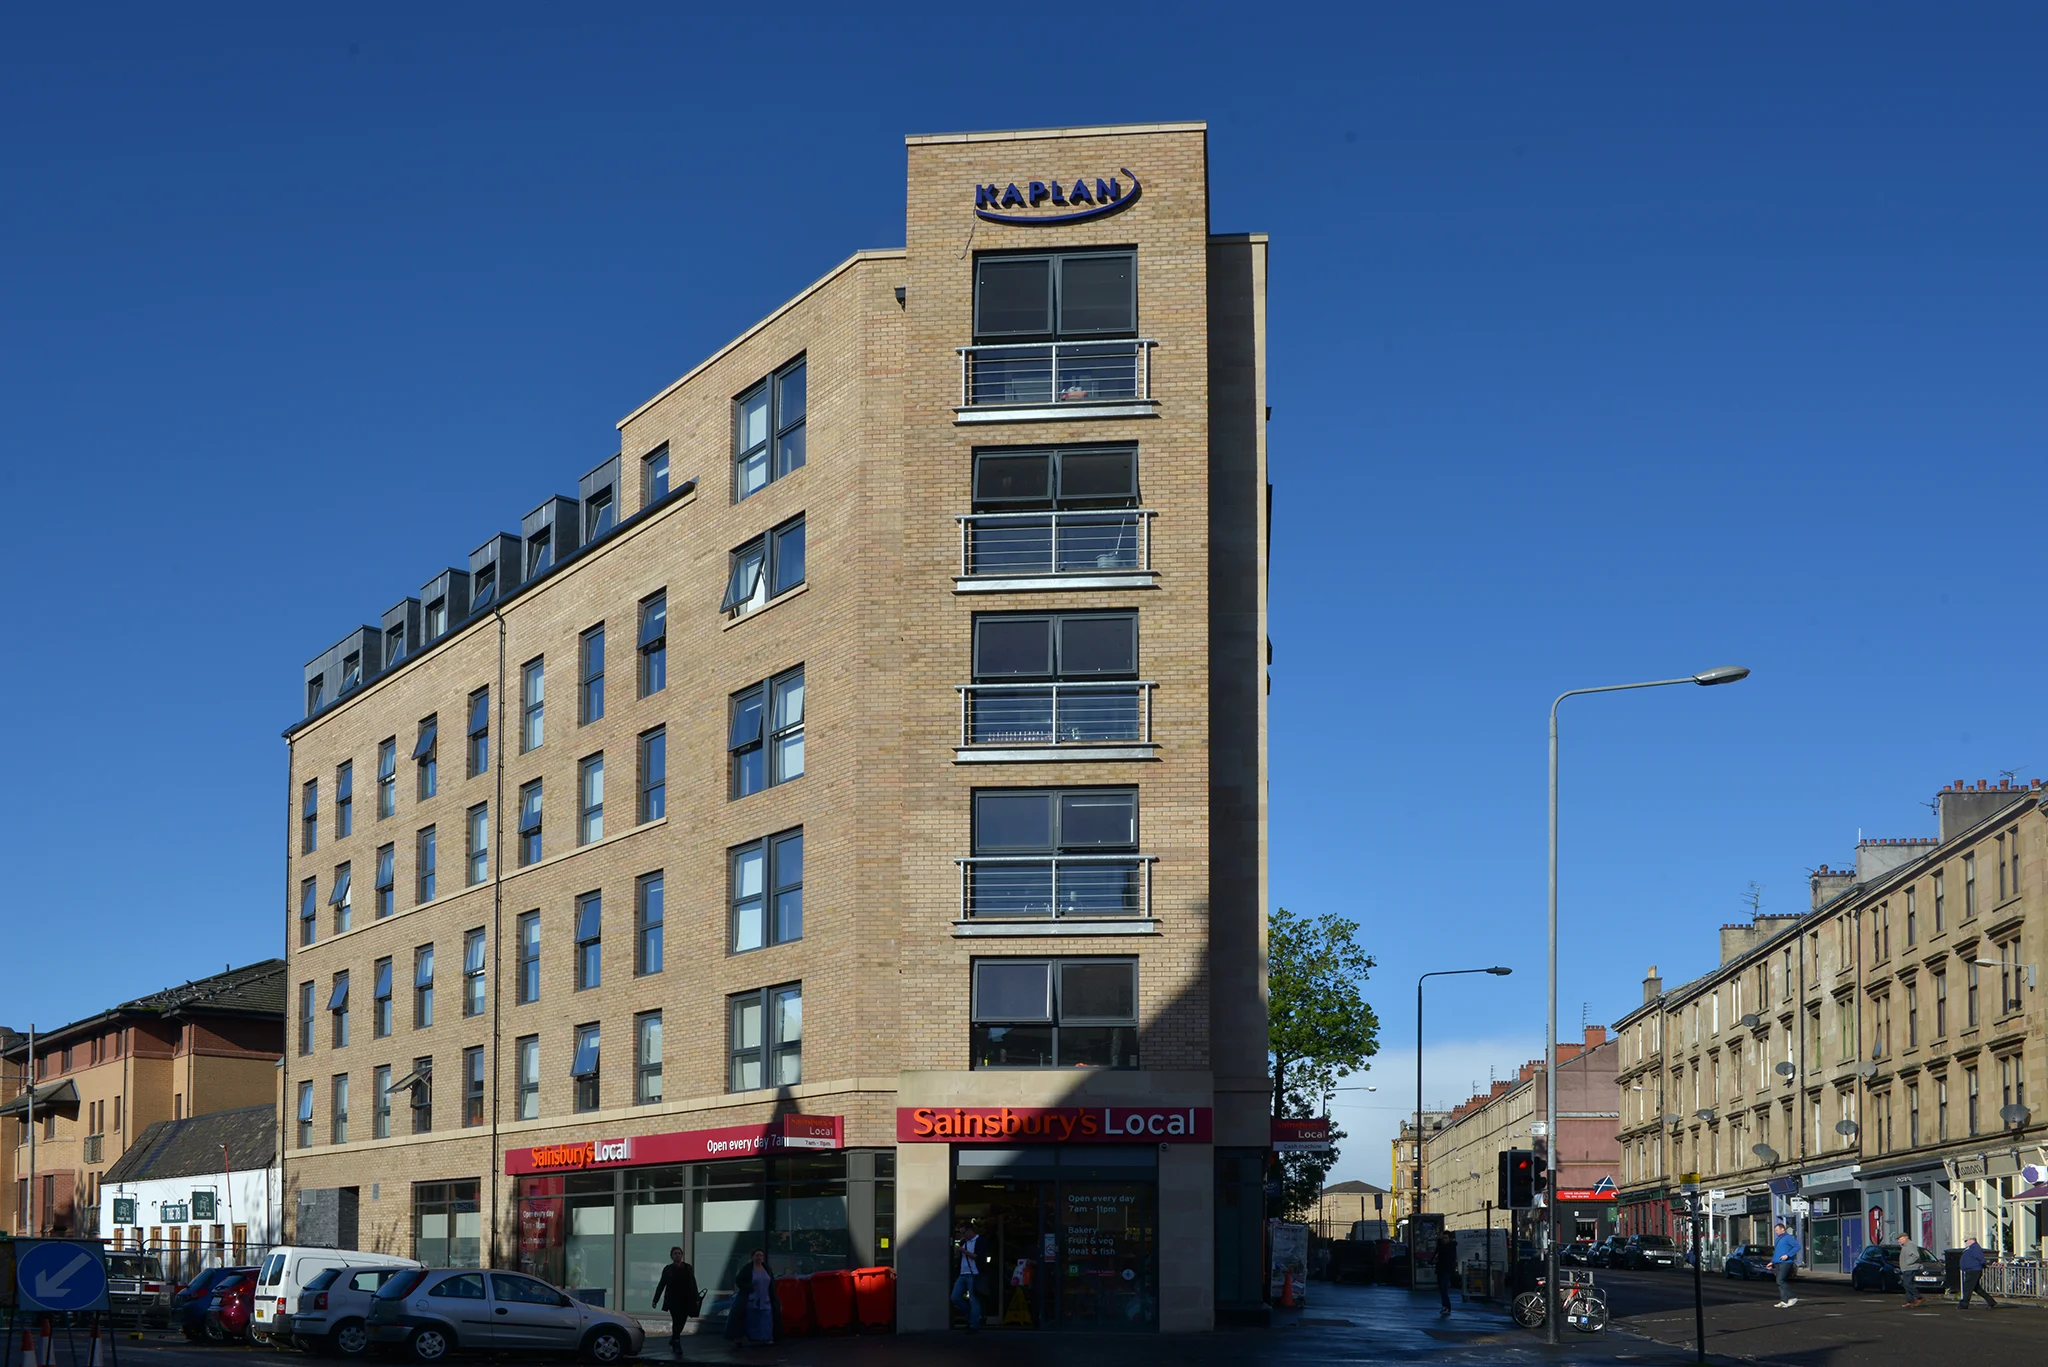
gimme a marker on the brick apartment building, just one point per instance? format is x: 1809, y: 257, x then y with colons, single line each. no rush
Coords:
x: 1464, y: 1156
x: 1411, y: 1163
x: 846, y: 815
x: 1862, y: 1068
x: 204, y: 1046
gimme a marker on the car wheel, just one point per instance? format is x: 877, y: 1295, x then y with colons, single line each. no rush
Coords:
x: 606, y: 1345
x: 429, y: 1345
x: 349, y: 1339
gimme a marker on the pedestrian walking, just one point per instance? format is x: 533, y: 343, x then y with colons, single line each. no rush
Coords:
x: 967, y: 1277
x: 1784, y: 1257
x: 754, y: 1313
x: 1973, y: 1275
x: 1446, y: 1268
x: 677, y: 1293
x: 1910, y: 1258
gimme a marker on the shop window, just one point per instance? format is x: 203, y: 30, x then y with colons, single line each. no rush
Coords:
x: 448, y: 1229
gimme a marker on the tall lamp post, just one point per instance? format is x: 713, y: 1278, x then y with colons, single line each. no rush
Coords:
x: 1416, y: 1187
x: 1727, y: 674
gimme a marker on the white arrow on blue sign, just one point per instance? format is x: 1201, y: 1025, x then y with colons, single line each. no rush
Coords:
x: 60, y: 1275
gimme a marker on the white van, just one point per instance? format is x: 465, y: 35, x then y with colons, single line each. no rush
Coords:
x: 284, y: 1275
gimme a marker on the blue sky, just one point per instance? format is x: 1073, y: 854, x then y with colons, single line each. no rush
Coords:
x: 1605, y: 345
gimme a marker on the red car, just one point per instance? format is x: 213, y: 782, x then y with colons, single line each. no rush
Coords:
x: 229, y: 1306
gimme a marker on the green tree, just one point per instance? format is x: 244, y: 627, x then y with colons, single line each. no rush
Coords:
x: 1319, y: 1028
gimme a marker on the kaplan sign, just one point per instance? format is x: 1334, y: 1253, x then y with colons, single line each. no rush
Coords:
x: 1036, y: 202
x: 1053, y: 1124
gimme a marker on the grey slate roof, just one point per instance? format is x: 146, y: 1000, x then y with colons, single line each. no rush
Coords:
x: 257, y: 990
x: 191, y: 1147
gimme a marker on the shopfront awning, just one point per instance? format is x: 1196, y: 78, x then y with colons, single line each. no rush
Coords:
x: 60, y: 1097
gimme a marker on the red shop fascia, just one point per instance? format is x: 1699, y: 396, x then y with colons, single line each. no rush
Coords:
x: 790, y: 1133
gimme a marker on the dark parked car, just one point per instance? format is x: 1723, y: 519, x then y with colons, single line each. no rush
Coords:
x: 1750, y: 1261
x: 1576, y: 1253
x: 188, y: 1306
x: 1648, y: 1250
x: 229, y: 1305
x: 1878, y: 1270
x: 1607, y: 1253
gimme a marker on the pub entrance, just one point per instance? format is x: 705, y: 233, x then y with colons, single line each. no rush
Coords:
x: 1070, y: 1234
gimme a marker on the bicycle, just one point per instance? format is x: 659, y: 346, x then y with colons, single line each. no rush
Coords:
x: 1583, y: 1305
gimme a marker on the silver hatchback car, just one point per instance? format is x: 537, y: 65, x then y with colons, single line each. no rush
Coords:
x: 428, y: 1313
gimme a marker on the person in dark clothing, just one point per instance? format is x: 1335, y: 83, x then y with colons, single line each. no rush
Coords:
x: 676, y: 1292
x: 1910, y: 1258
x: 1972, y: 1266
x: 1446, y: 1268
x: 755, y: 1317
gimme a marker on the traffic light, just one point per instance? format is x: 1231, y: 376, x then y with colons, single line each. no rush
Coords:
x: 1518, y: 1175
x: 1540, y: 1155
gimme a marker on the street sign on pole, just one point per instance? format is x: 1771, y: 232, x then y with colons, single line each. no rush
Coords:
x: 60, y: 1274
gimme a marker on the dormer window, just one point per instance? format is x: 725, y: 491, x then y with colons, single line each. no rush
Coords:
x: 313, y: 688
x: 486, y: 586
x: 394, y: 646
x: 540, y: 552
x: 654, y: 476
x: 351, y: 672
x: 437, y: 619
x: 597, y: 514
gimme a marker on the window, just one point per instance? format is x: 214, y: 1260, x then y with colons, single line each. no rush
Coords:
x: 1880, y: 932
x: 589, y: 942
x: 768, y: 430
x: 647, y: 1058
x: 1912, y: 1115
x: 387, y: 880
x: 1060, y: 852
x: 647, y: 925
x: 337, y: 1009
x: 309, y: 816
x: 598, y: 514
x: 1940, y: 1108
x: 767, y: 1038
x: 351, y: 673
x: 342, y: 898
x: 380, y: 1014
x: 1970, y: 996
x: 2010, y: 976
x: 1970, y: 1098
x: 654, y: 774
x: 1055, y: 297
x: 483, y: 587
x: 529, y: 823
x: 768, y: 891
x: 1912, y: 1015
x: 477, y: 844
x: 1940, y: 1003
x: 422, y: 987
x: 1055, y: 1013
x: 473, y: 973
x: 533, y: 684
x: 765, y: 568
x: 338, y: 1113
x: 1912, y: 916
x: 583, y: 1068
x: 1086, y: 650
x: 305, y: 1018
x: 767, y: 734
x: 422, y: 1082
x: 344, y: 800
x: 1045, y: 479
x: 424, y: 861
x: 305, y: 1119
x: 527, y: 1050
x: 590, y: 699
x: 1969, y: 887
x: 1845, y: 1028
x: 479, y: 731
x: 2001, y: 866
x: 314, y: 686
x: 529, y: 957
x: 437, y: 619
x: 654, y: 644
x: 309, y: 911
x: 424, y: 759
x: 1940, y: 900
x: 473, y: 1086
x: 394, y: 645
x: 380, y: 1102
x: 590, y: 794
x: 2012, y: 856
x: 654, y: 476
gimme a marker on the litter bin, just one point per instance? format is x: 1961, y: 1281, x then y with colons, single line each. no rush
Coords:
x: 792, y: 1298
x: 832, y: 1301
x: 1951, y: 1270
x: 874, y: 1298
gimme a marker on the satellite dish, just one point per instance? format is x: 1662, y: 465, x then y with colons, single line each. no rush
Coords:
x: 1845, y: 1127
x: 2014, y: 1114
x: 1674, y: 1119
x: 1866, y: 1070
x: 1752, y: 1020
x: 1785, y: 1070
x: 1705, y: 1113
x: 1764, y: 1152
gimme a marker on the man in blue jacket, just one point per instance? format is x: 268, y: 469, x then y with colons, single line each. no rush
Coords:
x: 1972, y: 1267
x: 1784, y: 1257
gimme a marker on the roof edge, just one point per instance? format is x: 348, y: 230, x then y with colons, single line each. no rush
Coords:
x: 1098, y: 130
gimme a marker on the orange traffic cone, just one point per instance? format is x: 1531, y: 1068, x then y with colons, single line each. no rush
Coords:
x: 1287, y: 1291
x: 28, y: 1346
x: 46, y: 1351
x: 98, y: 1356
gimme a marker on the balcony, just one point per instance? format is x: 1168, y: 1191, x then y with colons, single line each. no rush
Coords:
x: 1037, y: 381
x: 1014, y: 723
x: 1019, y: 552
x: 1067, y: 894
x: 95, y: 1145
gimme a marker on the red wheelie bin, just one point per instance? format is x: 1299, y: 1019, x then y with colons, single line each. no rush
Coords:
x: 874, y: 1298
x: 832, y: 1301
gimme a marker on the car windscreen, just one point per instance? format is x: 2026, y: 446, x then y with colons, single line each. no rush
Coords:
x: 133, y: 1266
x: 1654, y: 1241
x: 400, y: 1286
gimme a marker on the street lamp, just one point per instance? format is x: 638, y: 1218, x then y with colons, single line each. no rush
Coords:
x: 1708, y: 678
x: 1440, y: 973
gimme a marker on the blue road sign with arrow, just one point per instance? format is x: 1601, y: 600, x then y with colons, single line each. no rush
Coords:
x: 53, y: 1274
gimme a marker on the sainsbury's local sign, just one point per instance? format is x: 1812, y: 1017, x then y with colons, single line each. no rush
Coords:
x: 1053, y: 1124
x: 1038, y: 202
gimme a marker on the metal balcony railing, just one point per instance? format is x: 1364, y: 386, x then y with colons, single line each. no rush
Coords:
x: 95, y: 1145
x: 1011, y: 544
x: 1057, y: 887
x: 1056, y: 713
x: 1035, y: 374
